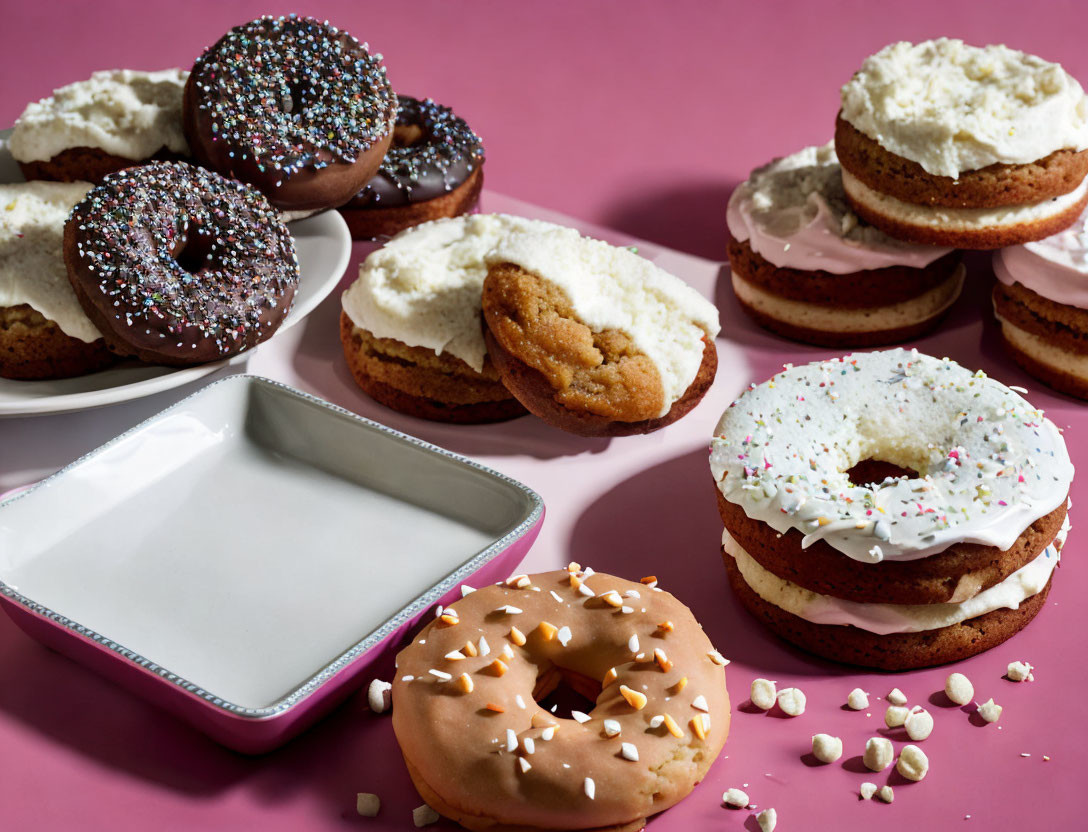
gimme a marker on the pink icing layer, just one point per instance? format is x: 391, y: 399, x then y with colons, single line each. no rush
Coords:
x: 1056, y: 268
x: 819, y: 245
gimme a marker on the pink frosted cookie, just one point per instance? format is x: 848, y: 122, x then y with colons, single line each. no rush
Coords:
x: 804, y: 266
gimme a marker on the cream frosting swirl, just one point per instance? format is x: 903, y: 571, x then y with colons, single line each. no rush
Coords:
x: 884, y: 619
x: 952, y: 107
x: 1055, y: 267
x: 793, y: 212
x: 32, y: 270
x: 989, y: 464
x: 122, y: 111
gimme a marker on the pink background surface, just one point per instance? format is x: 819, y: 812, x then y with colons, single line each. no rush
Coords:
x: 640, y: 117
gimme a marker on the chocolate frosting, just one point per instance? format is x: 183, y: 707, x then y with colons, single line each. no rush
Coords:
x: 434, y: 151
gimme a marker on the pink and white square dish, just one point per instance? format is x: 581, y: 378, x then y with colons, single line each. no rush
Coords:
x: 244, y: 556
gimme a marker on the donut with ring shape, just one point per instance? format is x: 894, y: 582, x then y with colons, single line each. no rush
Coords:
x: 989, y: 463
x: 178, y: 265
x: 434, y: 169
x: 480, y: 749
x: 295, y: 107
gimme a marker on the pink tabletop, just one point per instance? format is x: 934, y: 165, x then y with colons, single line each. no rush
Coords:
x: 640, y: 117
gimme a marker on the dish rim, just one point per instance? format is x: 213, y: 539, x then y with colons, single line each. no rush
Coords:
x: 340, y: 662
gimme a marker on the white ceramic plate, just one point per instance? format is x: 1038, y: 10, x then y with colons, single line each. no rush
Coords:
x: 323, y: 244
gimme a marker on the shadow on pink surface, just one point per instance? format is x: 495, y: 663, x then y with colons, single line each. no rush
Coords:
x: 689, y: 216
x: 663, y: 522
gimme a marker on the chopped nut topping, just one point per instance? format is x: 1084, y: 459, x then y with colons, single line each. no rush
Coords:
x: 636, y: 699
x: 517, y: 636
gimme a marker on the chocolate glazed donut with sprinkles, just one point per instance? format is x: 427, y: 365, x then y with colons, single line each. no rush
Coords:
x: 178, y: 265
x: 293, y: 106
x: 433, y: 170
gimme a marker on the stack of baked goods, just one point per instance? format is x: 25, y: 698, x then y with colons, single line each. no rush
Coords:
x: 483, y: 317
x: 280, y: 118
x: 890, y: 509
x: 938, y: 146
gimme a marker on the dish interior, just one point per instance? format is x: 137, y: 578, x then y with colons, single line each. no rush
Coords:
x: 250, y: 536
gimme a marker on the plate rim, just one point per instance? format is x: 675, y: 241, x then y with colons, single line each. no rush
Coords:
x: 531, y: 519
x: 172, y: 379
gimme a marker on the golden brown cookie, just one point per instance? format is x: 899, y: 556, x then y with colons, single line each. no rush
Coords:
x: 579, y: 380
x: 959, y: 572
x: 422, y: 383
x: 33, y: 347
x: 996, y: 185
x: 893, y: 651
x: 87, y: 164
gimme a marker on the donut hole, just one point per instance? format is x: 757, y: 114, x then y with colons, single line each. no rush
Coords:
x: 295, y: 98
x: 872, y: 472
x: 566, y: 691
x: 194, y: 250
x: 407, y: 135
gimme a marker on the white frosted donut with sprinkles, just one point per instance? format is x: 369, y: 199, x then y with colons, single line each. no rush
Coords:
x: 989, y: 463
x: 481, y: 750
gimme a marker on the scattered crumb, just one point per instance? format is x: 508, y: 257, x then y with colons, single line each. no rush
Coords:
x: 1020, y: 672
x: 367, y: 804
x: 1046, y: 758
x: 826, y: 748
x: 867, y: 791
x: 919, y: 723
x: 735, y: 798
x: 791, y: 701
x: 913, y: 763
x: 379, y: 696
x: 1024, y: 754
x: 763, y: 694
x: 767, y: 820
x: 424, y: 815
x: 959, y: 689
x: 878, y: 754
x: 990, y: 711
x: 857, y: 700
x: 886, y: 794
x: 896, y: 697
x: 895, y: 716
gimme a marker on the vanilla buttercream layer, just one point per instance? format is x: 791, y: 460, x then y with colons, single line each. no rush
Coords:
x: 123, y: 112
x: 884, y: 619
x: 838, y: 319
x: 952, y: 107
x: 990, y: 464
x: 612, y: 288
x: 1044, y: 351
x: 423, y: 287
x: 32, y: 270
x: 794, y: 214
x: 960, y: 219
x: 1055, y: 267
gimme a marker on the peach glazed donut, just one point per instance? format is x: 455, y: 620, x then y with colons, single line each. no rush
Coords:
x: 480, y: 749
x: 949, y: 555
x: 295, y: 107
x: 433, y: 170
x: 178, y: 265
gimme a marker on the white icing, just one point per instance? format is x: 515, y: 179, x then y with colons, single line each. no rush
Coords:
x: 32, y: 270
x: 1055, y: 267
x: 952, y: 107
x: 794, y: 213
x: 839, y: 319
x: 990, y: 464
x: 123, y: 112
x: 614, y: 288
x: 960, y: 219
x: 883, y: 619
x: 423, y: 287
